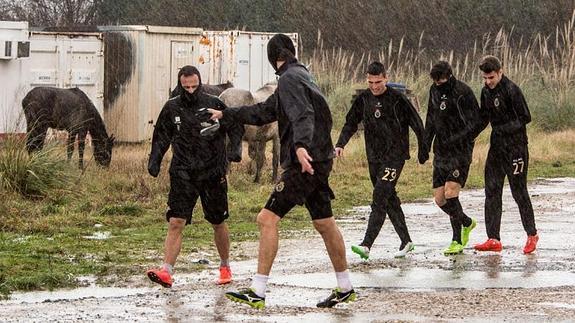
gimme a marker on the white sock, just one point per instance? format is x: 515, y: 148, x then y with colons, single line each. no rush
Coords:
x: 224, y: 263
x: 343, y: 281
x: 169, y: 268
x: 259, y: 283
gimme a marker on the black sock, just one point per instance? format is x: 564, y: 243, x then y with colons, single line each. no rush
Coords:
x: 455, y: 209
x: 456, y: 227
x: 455, y: 223
x: 403, y: 244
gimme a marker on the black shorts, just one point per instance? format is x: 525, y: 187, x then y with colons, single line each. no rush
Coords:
x: 450, y: 172
x: 295, y: 187
x: 385, y: 172
x: 184, y: 193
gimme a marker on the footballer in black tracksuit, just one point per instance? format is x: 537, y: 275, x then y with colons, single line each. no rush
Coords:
x: 199, y: 163
x: 506, y: 109
x: 386, y: 118
x: 452, y: 123
x: 304, y: 120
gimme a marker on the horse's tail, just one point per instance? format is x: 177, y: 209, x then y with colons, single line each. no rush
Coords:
x: 31, y: 98
x: 34, y: 106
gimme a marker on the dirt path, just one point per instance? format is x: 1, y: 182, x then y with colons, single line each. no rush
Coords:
x: 426, y: 286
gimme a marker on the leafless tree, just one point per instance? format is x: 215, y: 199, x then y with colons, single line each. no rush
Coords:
x: 57, y: 13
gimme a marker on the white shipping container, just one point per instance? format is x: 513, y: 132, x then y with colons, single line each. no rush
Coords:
x: 67, y: 60
x: 127, y: 71
x: 13, y: 56
x: 138, y: 61
x: 239, y: 57
x: 142, y: 64
x: 56, y: 59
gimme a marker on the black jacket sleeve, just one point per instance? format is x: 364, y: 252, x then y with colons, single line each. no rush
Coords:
x: 483, y: 112
x: 428, y: 134
x: 352, y: 119
x: 235, y: 132
x: 161, y: 139
x: 258, y: 114
x: 415, y: 123
x: 469, y: 111
x: 519, y: 106
x: 298, y: 108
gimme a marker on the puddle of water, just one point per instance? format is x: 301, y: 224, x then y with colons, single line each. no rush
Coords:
x: 423, y: 208
x: 74, y: 294
x: 338, y: 316
x: 100, y: 235
x: 430, y: 279
x: 560, y: 305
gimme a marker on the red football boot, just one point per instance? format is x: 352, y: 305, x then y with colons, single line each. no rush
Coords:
x: 160, y: 276
x: 531, y: 244
x: 489, y: 245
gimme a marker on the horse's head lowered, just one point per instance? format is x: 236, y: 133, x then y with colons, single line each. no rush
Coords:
x: 103, y: 151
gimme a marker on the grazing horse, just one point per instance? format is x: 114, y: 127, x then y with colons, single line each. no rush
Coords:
x: 257, y: 136
x: 217, y: 89
x: 70, y: 110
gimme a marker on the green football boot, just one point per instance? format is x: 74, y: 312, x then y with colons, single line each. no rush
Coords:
x: 453, y: 249
x: 465, y: 231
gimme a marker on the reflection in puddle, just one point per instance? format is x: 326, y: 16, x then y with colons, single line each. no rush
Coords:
x: 74, y: 294
x: 493, y: 264
x: 426, y: 279
x: 408, y: 208
x: 560, y: 305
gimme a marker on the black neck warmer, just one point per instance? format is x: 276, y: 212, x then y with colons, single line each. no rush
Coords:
x: 446, y: 87
x: 187, y: 97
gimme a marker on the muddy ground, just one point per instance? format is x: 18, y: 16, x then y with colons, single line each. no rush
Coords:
x: 425, y: 286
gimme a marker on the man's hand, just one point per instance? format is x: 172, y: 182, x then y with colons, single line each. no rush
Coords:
x: 423, y: 156
x: 304, y: 159
x: 216, y: 114
x: 338, y: 152
x: 153, y: 168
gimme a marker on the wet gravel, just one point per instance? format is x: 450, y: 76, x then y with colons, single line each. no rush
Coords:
x: 194, y: 297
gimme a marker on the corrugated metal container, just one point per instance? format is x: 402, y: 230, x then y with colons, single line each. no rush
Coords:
x: 142, y: 64
x: 138, y: 62
x: 66, y: 60
x: 128, y: 71
x: 236, y: 56
x: 13, y: 41
x: 56, y: 59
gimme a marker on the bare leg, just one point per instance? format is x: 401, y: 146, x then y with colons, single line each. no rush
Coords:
x: 439, y: 196
x: 452, y: 189
x: 222, y: 240
x: 333, y: 241
x: 173, y: 242
x: 268, y: 248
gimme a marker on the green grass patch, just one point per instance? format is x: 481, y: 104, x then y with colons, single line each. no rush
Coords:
x: 48, y: 242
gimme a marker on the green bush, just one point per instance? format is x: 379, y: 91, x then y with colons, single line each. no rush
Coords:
x: 32, y: 175
x: 552, y: 106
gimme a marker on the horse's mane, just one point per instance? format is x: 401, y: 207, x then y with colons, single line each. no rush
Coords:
x: 97, y: 128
